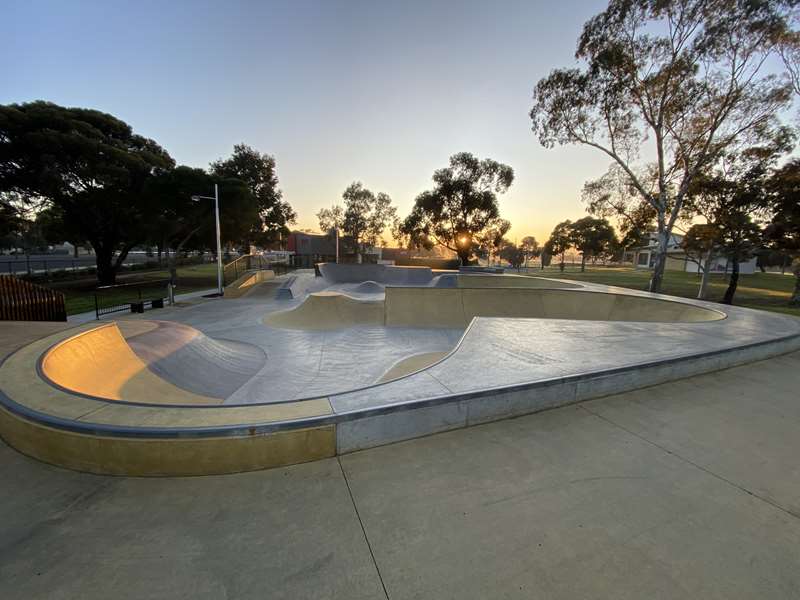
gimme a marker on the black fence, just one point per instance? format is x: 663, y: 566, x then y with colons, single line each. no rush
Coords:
x: 133, y: 297
x: 307, y: 261
x: 255, y: 262
x: 52, y: 267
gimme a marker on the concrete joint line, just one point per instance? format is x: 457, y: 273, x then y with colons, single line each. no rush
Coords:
x: 694, y: 464
x: 363, y: 529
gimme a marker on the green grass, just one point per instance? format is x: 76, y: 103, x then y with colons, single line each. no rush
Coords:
x: 79, y: 295
x: 765, y: 291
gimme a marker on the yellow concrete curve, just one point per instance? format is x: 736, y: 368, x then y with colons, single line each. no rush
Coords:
x: 100, y: 363
x: 247, y: 282
x: 328, y: 310
x: 455, y: 307
x: 142, y: 455
x: 483, y: 280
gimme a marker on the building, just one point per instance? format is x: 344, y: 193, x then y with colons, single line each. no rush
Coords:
x: 311, y: 244
x: 644, y: 257
x: 308, y: 248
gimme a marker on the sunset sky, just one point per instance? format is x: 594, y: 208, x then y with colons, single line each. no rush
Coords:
x: 381, y: 92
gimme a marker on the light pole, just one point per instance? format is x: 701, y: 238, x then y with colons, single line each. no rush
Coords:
x: 215, y: 198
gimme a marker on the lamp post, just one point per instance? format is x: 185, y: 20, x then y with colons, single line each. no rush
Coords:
x: 215, y: 198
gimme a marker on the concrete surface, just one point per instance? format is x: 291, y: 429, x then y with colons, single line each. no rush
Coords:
x: 503, y: 366
x: 100, y: 363
x: 685, y: 490
x: 386, y: 274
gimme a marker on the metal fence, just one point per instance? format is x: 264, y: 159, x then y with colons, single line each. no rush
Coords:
x: 253, y: 262
x: 63, y: 267
x: 25, y: 301
x: 133, y: 297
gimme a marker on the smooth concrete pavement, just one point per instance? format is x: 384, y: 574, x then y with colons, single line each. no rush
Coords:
x: 689, y: 489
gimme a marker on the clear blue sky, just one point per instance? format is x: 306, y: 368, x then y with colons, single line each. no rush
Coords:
x: 382, y: 92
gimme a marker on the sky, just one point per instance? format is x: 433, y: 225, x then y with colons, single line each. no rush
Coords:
x: 338, y: 91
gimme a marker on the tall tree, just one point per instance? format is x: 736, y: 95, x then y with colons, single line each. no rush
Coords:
x: 512, y: 253
x: 258, y: 172
x: 530, y: 248
x: 731, y: 198
x: 366, y: 215
x: 687, y: 77
x: 491, y: 239
x: 180, y: 220
x: 461, y: 205
x: 613, y: 197
x: 331, y: 218
x: 783, y: 232
x: 560, y: 241
x: 87, y: 163
x: 702, y: 243
x: 592, y: 238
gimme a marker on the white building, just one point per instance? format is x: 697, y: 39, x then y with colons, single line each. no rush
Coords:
x: 644, y: 257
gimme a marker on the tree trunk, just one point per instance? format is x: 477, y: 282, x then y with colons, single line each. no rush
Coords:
x: 463, y: 256
x: 795, y: 299
x: 734, y: 281
x: 583, y: 263
x: 172, y: 261
x: 702, y: 294
x: 106, y: 273
x: 75, y: 250
x: 561, y: 264
x: 661, y: 260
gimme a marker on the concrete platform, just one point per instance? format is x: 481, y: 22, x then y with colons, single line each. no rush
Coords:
x: 526, y: 351
x: 684, y: 490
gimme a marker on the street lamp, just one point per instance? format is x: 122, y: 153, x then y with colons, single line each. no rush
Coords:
x: 215, y: 198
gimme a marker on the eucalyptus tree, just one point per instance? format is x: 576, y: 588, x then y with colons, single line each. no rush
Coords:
x: 592, y: 237
x: 559, y: 242
x: 783, y: 233
x: 365, y: 216
x: 664, y: 89
x: 462, y: 206
x: 530, y: 248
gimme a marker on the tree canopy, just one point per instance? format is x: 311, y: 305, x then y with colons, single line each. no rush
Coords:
x: 559, y: 242
x: 461, y: 206
x: 180, y: 220
x: 88, y: 164
x: 364, y: 217
x: 784, y: 231
x: 592, y: 238
x: 688, y: 78
x: 258, y: 172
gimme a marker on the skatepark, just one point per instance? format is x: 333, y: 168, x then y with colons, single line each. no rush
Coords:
x: 300, y: 367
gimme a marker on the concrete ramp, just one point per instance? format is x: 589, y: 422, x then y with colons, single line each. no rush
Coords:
x: 369, y: 287
x: 195, y: 362
x: 100, y: 363
x: 328, y: 310
x: 487, y: 280
x: 247, y: 283
x: 386, y: 274
x: 456, y: 307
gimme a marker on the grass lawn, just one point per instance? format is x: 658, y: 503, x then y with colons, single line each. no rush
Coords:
x: 766, y: 291
x: 79, y: 294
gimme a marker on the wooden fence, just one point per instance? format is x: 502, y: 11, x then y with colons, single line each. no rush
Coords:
x: 22, y: 300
